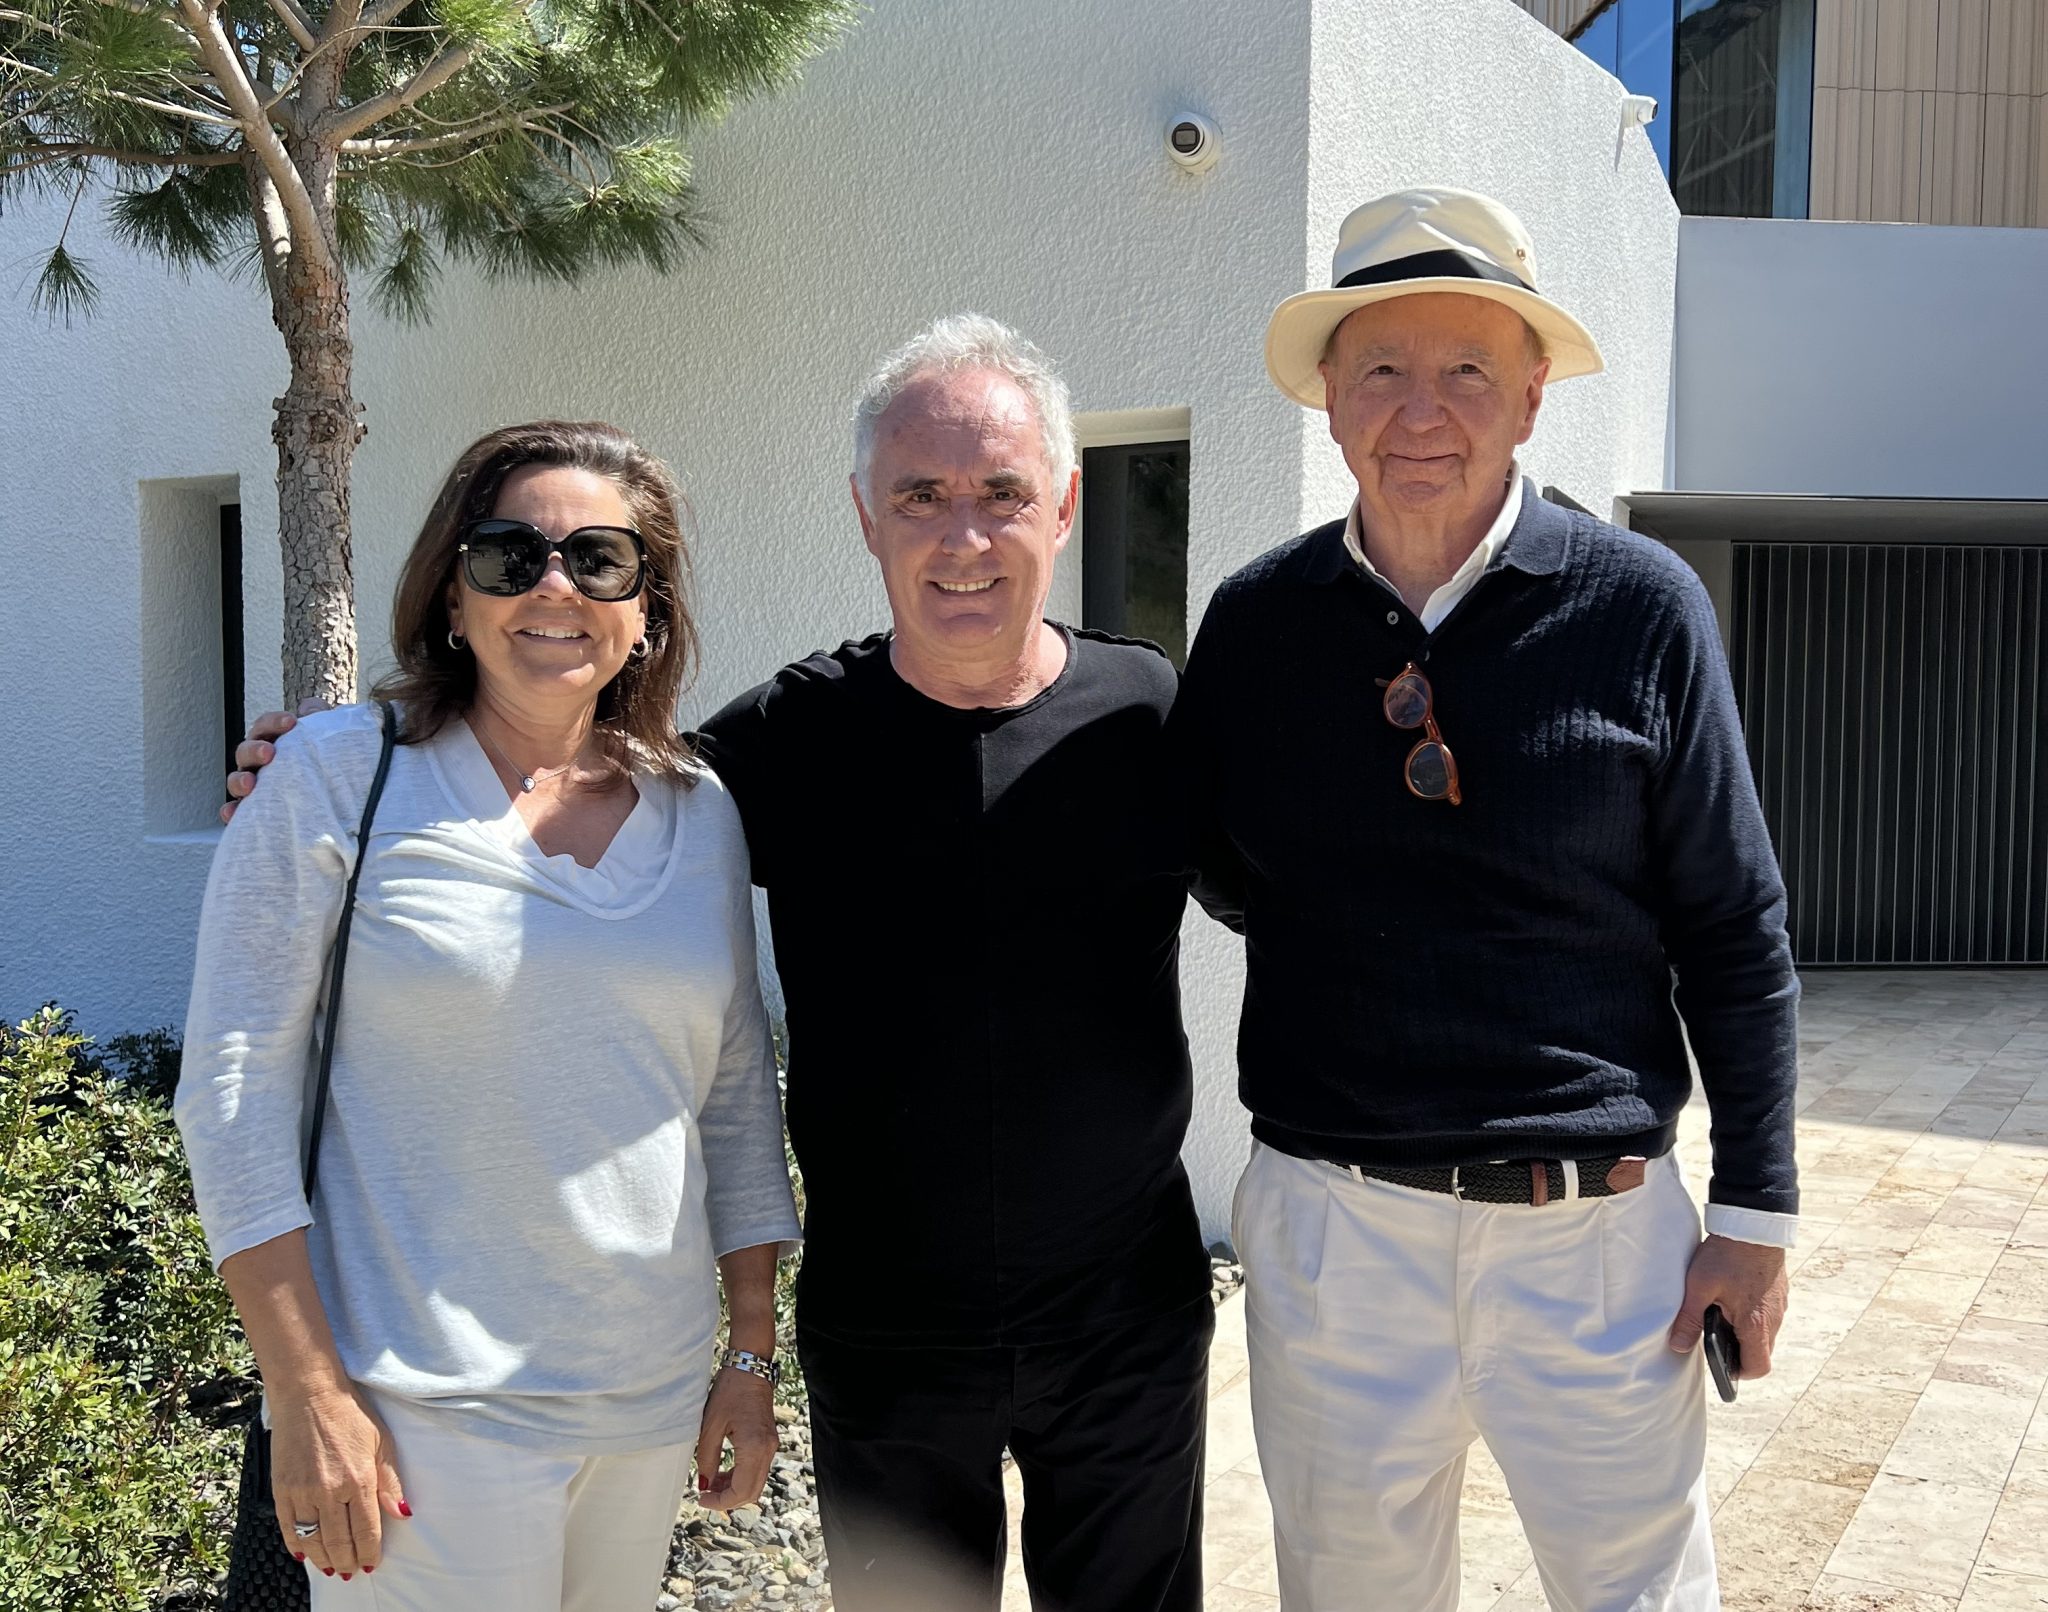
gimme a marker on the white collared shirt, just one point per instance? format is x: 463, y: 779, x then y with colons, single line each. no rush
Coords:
x: 1440, y: 603
x: 1763, y: 1226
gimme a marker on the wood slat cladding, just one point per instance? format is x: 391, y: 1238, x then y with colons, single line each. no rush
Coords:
x: 1931, y: 111
x: 1565, y: 17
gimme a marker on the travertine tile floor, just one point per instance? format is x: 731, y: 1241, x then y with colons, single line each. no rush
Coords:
x: 1896, y: 1459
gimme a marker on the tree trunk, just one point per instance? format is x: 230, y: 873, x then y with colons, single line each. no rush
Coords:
x: 316, y: 432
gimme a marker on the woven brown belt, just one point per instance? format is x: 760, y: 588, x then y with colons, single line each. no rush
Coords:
x: 1530, y: 1181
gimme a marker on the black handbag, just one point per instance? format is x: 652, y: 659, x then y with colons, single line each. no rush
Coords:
x: 262, y: 1576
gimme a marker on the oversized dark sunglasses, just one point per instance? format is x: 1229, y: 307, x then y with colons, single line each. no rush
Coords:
x: 506, y: 558
x: 1410, y: 703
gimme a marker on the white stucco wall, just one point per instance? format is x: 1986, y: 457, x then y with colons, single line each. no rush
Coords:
x: 1006, y: 159
x: 1878, y: 360
x: 96, y: 909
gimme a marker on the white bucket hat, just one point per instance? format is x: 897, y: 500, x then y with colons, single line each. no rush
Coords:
x: 1427, y: 239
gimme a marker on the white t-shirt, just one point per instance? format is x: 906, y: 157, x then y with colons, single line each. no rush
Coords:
x: 553, y: 1096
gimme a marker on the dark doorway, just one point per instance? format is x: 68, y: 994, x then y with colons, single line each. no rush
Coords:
x: 1134, y: 542
x: 234, y: 716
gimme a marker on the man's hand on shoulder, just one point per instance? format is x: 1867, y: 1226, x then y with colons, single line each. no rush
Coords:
x: 1748, y: 1281
x: 256, y: 752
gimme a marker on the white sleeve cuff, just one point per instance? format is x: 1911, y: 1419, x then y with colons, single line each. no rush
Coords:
x: 1764, y: 1226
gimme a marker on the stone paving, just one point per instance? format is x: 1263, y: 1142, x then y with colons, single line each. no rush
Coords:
x: 1896, y: 1459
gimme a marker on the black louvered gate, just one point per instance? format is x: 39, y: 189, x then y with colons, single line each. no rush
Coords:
x: 1893, y: 697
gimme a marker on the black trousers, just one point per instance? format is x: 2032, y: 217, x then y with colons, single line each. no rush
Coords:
x: 1107, y: 1435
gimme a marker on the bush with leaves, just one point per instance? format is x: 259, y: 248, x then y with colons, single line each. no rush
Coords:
x: 122, y: 1374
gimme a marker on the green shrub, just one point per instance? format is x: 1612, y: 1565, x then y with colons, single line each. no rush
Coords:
x: 122, y: 1373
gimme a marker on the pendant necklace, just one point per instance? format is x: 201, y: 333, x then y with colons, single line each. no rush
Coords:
x: 527, y: 780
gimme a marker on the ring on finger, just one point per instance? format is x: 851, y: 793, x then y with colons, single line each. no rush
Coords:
x: 304, y: 1530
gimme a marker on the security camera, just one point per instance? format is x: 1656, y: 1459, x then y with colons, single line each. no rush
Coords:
x: 1192, y: 142
x: 1637, y: 110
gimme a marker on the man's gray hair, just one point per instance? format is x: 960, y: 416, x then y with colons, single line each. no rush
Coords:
x: 969, y: 341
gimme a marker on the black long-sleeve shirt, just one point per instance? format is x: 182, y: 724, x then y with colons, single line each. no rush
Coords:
x: 1440, y: 984
x: 976, y: 921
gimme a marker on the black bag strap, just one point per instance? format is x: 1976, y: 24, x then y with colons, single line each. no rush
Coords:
x: 389, y: 720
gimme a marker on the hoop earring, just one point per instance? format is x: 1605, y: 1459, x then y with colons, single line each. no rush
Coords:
x: 455, y: 642
x: 639, y: 651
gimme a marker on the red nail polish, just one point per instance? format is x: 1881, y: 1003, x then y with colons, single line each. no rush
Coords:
x: 345, y: 1577
x: 328, y: 1571
x: 368, y: 1571
x: 404, y: 1510
x: 298, y: 1556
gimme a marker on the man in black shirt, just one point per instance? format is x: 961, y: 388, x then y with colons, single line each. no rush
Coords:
x: 976, y: 911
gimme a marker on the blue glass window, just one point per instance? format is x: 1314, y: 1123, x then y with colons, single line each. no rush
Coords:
x: 1632, y: 39
x: 1644, y: 54
x: 1601, y: 40
x: 1733, y: 82
x: 1744, y: 127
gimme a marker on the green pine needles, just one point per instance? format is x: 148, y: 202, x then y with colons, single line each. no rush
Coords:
x: 311, y: 141
x: 525, y: 137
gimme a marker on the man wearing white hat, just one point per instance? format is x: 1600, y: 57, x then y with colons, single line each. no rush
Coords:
x: 1469, y: 777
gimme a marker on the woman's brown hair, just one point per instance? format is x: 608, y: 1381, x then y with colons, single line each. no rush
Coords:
x: 436, y: 682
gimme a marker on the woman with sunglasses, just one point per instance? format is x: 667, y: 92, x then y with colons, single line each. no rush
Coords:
x: 486, y: 1340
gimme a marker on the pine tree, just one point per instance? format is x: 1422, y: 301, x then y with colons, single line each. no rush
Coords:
x: 538, y: 137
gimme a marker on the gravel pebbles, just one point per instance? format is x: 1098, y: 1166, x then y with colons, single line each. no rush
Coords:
x: 766, y: 1555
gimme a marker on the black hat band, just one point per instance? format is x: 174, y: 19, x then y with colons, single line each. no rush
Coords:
x: 1447, y: 264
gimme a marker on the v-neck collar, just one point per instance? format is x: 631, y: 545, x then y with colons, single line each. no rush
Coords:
x: 635, y: 867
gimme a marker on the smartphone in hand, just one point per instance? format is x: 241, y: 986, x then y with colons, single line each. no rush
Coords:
x: 1724, y: 1352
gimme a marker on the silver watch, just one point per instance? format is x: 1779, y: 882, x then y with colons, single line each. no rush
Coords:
x: 747, y: 1360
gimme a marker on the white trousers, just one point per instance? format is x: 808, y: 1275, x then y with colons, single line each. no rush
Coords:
x: 1389, y: 1327
x: 497, y: 1528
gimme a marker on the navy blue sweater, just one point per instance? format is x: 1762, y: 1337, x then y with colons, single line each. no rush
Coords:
x: 1429, y: 983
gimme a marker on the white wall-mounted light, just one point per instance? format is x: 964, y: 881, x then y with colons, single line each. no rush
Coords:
x: 1637, y: 110
x: 1193, y: 143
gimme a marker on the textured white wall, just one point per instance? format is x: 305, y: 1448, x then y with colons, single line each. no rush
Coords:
x: 172, y: 380
x: 946, y: 157
x: 1878, y: 360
